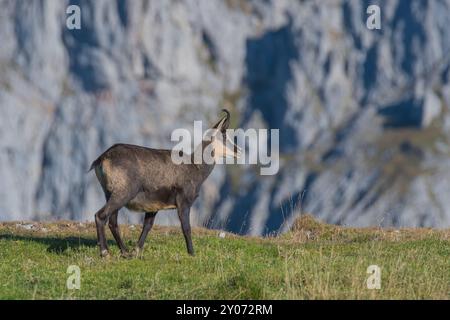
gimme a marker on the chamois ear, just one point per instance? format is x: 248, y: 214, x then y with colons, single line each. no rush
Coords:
x: 224, y: 122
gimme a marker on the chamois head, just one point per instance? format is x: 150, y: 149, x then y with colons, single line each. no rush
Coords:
x: 221, y: 144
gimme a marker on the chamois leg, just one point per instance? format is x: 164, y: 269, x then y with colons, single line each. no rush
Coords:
x: 100, y: 225
x: 183, y: 214
x: 147, y: 226
x: 114, y: 227
x: 102, y: 216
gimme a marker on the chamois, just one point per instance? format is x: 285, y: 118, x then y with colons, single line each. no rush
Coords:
x: 147, y: 180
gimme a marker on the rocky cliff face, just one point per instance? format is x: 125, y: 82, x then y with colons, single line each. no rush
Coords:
x: 363, y: 114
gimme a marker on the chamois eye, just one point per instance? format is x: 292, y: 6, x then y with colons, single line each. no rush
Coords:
x: 180, y: 153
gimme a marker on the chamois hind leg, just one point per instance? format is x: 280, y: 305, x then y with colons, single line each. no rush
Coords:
x: 114, y: 227
x: 146, y: 227
x: 113, y: 204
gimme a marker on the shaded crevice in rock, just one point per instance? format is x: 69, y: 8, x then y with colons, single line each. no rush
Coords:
x: 268, y: 63
x: 122, y: 10
x: 410, y: 17
x: 88, y: 62
x: 403, y: 114
x: 370, y: 68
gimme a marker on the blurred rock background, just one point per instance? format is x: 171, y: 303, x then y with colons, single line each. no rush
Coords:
x: 363, y: 114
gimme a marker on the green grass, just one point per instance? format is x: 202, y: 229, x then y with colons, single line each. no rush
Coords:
x: 313, y: 261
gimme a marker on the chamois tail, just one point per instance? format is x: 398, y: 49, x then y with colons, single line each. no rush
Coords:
x: 94, y: 164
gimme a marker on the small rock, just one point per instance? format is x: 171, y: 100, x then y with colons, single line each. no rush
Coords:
x: 222, y: 235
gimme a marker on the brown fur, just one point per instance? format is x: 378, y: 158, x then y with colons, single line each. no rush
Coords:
x: 147, y: 180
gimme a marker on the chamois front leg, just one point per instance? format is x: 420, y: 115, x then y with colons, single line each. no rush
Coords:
x: 183, y: 214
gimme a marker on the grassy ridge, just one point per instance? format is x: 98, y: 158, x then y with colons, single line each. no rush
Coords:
x: 313, y: 261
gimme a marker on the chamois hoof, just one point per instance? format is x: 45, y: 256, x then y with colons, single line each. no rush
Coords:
x: 126, y: 255
x: 104, y: 254
x: 138, y: 252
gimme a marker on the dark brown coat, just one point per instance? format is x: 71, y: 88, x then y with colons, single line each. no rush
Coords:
x: 147, y: 180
